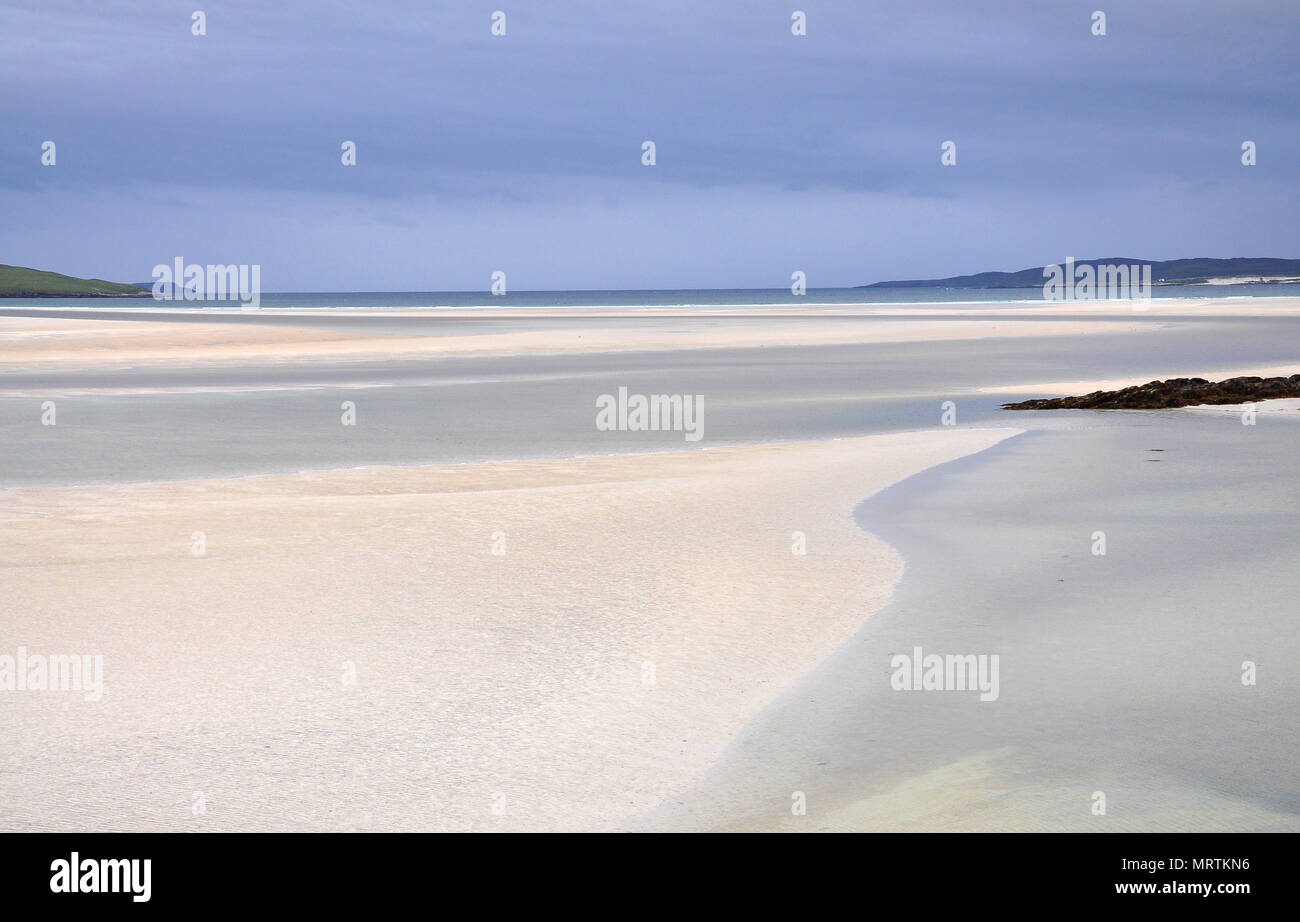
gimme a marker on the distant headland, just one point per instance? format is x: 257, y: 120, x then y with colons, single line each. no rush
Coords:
x: 1200, y: 271
x: 20, y: 282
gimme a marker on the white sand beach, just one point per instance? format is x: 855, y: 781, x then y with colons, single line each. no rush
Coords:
x: 348, y: 652
x: 644, y: 609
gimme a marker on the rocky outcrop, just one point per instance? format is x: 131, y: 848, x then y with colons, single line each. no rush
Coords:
x: 1176, y: 392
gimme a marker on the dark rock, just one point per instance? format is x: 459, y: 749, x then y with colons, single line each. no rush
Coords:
x: 1176, y: 392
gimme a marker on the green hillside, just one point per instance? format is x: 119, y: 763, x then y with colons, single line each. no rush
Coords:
x: 19, y: 282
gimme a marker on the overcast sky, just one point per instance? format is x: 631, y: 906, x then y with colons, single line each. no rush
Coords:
x: 523, y: 152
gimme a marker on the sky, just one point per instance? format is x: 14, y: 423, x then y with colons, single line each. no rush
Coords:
x: 522, y: 152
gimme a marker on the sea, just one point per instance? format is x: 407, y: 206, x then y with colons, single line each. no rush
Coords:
x: 685, y: 297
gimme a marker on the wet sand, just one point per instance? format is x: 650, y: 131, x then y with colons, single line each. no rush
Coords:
x: 1120, y: 673
x: 183, y: 339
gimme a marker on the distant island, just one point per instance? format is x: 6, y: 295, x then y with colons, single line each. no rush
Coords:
x: 20, y: 282
x: 1239, y: 271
